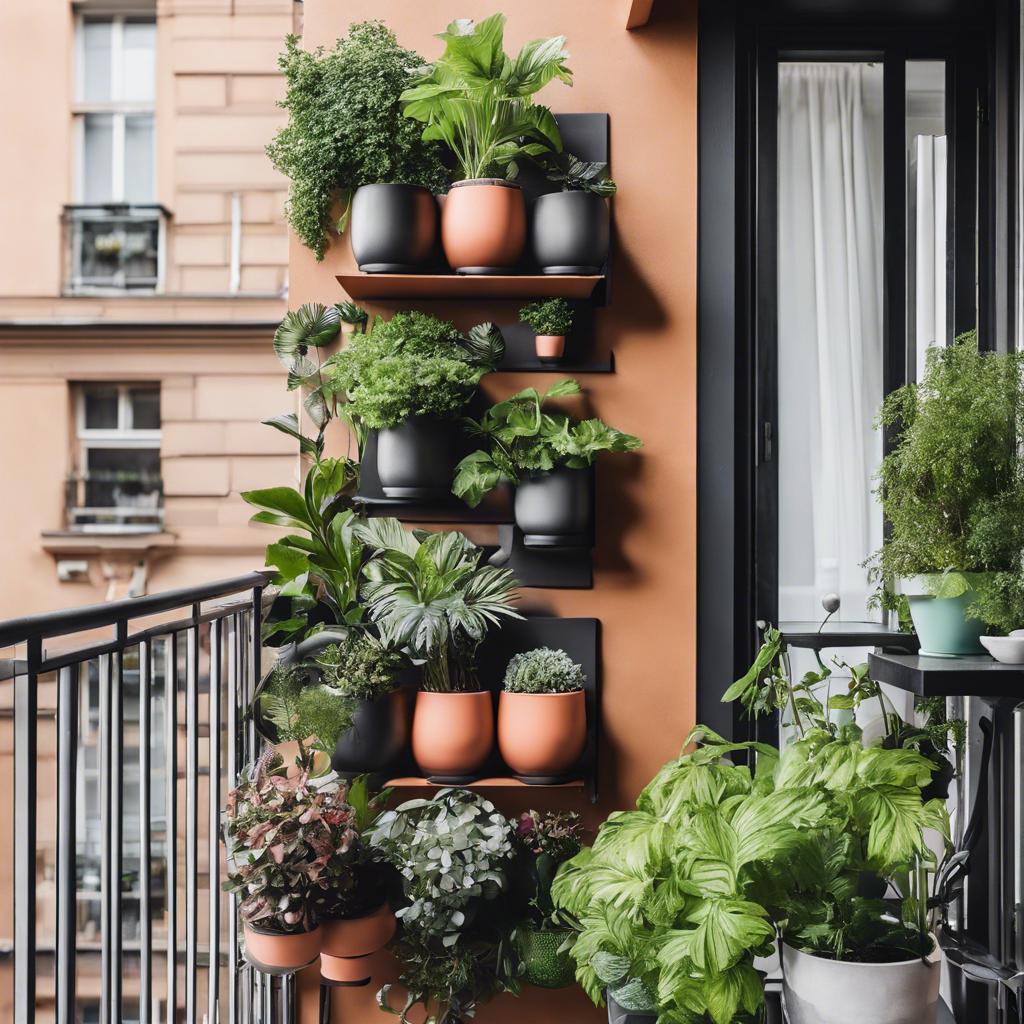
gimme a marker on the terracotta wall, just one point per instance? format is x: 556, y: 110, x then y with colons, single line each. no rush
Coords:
x: 645, y: 557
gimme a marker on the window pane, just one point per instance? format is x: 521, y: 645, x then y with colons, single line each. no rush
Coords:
x: 145, y: 404
x: 100, y: 408
x: 122, y: 478
x: 138, y: 159
x: 97, y: 162
x: 139, y: 61
x: 96, y: 60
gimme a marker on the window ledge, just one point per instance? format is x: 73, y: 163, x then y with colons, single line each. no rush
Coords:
x: 77, y: 542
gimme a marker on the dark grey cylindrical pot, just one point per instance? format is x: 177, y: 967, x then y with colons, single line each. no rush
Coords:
x: 569, y: 233
x: 417, y: 458
x: 556, y: 509
x: 393, y: 228
x: 378, y: 737
x: 620, y: 1015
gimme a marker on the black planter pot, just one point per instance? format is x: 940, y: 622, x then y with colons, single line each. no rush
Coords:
x: 393, y: 228
x: 620, y: 1015
x: 569, y: 233
x: 378, y: 737
x: 417, y: 458
x: 556, y: 509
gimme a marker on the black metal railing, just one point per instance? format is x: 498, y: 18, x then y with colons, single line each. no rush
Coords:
x: 116, y: 719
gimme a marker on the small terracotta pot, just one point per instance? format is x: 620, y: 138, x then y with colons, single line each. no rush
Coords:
x: 483, y: 225
x: 452, y: 733
x: 279, y: 952
x: 542, y: 734
x: 550, y: 347
x: 350, y: 946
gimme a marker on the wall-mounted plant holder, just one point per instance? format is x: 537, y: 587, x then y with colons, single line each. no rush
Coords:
x: 561, y: 568
x: 521, y: 354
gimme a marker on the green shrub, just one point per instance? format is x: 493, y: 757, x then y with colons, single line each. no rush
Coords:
x: 346, y: 129
x: 412, y: 365
x: 952, y: 487
x: 552, y: 316
x: 543, y: 670
x: 361, y: 668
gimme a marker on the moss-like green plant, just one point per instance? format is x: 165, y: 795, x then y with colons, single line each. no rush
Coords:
x: 346, y: 129
x: 952, y: 488
x: 552, y: 316
x: 543, y: 670
x: 412, y: 365
x: 361, y: 668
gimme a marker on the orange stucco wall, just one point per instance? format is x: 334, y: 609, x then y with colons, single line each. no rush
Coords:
x: 645, y: 561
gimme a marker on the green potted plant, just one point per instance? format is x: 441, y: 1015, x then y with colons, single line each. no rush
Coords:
x: 408, y: 379
x: 550, y: 320
x: 952, y: 491
x: 542, y: 714
x: 347, y: 144
x: 570, y: 229
x: 477, y: 101
x: 549, y: 456
x: 428, y: 592
x: 543, y: 843
x: 454, y: 950
x: 283, y: 829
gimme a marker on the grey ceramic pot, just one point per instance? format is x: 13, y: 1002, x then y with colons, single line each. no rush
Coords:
x: 378, y: 737
x: 569, y: 233
x: 619, y: 1015
x: 393, y: 228
x: 556, y: 509
x: 416, y: 459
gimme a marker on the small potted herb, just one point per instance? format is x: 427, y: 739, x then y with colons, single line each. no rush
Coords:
x: 549, y: 456
x: 542, y: 714
x: 952, y: 492
x: 477, y: 101
x: 543, y: 843
x: 570, y: 229
x: 428, y: 592
x: 550, y: 321
x: 454, y: 856
x: 347, y: 145
x: 409, y: 378
x: 282, y: 829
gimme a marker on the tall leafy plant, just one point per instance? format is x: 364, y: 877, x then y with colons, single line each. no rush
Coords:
x: 521, y: 438
x: 477, y: 101
x: 952, y: 487
x: 429, y: 593
x: 345, y: 128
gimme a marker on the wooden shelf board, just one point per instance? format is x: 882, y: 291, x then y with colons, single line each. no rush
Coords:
x: 468, y: 286
x: 496, y: 782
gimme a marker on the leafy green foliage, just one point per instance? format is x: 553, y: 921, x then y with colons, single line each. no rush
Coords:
x: 551, y: 316
x: 575, y: 175
x: 289, y: 840
x: 476, y: 100
x: 952, y: 488
x: 412, y: 365
x: 543, y: 842
x: 360, y: 668
x: 305, y: 712
x: 429, y: 593
x: 346, y: 129
x: 543, y: 670
x: 523, y: 438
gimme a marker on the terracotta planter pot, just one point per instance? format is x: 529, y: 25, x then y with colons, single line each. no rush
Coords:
x: 483, y: 226
x: 550, y: 347
x: 350, y: 944
x: 280, y: 953
x: 542, y: 734
x: 452, y: 733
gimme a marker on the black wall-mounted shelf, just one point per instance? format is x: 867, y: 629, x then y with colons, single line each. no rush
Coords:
x: 521, y: 354
x: 815, y: 637
x: 544, y: 568
x: 975, y: 676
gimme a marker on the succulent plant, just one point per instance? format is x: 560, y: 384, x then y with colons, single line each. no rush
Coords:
x: 543, y: 670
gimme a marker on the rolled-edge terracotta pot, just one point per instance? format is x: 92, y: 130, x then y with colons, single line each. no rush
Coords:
x: 350, y: 945
x: 281, y: 952
x: 483, y: 226
x: 351, y: 970
x: 452, y: 733
x: 550, y: 347
x: 542, y: 734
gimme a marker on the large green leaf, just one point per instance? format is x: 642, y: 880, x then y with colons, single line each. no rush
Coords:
x: 283, y: 502
x: 310, y: 326
x: 738, y: 988
x: 893, y: 818
x: 727, y: 929
x: 476, y: 475
x: 288, y: 423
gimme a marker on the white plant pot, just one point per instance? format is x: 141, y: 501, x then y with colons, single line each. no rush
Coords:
x: 820, y: 991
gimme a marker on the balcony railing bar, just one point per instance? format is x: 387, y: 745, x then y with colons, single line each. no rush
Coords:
x: 235, y: 680
x: 216, y: 663
x: 116, y: 866
x: 67, y: 760
x: 145, y: 847
x: 171, y: 844
x: 191, y: 815
x: 105, y: 810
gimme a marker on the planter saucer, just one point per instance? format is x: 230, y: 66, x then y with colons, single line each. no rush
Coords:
x: 570, y: 271
x: 392, y: 268
x: 345, y: 984
x: 546, y: 780
x: 557, y: 540
x: 452, y: 780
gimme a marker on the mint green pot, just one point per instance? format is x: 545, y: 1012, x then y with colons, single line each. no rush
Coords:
x: 943, y: 627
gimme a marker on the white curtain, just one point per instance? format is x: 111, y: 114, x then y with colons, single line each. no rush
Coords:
x: 927, y: 235
x: 830, y: 332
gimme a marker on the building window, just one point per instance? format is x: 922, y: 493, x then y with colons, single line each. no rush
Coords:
x: 115, y: 228
x: 117, y: 485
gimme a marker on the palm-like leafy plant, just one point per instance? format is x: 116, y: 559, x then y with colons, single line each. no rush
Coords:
x: 476, y: 100
x: 429, y: 593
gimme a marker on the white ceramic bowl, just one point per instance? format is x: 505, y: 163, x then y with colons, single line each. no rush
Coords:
x: 1007, y: 649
